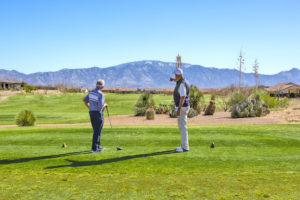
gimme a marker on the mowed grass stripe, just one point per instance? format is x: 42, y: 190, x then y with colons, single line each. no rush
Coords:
x: 248, y: 162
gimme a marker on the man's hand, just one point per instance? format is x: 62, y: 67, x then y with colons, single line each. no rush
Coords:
x: 104, y: 106
x: 178, y: 112
x: 172, y: 79
x: 87, y: 104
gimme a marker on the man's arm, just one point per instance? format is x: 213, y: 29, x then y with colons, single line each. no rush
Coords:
x: 87, y: 104
x: 181, y: 102
x: 86, y: 101
x: 101, y: 102
x: 172, y: 79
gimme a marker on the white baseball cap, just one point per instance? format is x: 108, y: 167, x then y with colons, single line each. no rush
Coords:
x: 178, y: 71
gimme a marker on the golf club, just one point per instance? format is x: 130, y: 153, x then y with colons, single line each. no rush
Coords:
x: 118, y: 148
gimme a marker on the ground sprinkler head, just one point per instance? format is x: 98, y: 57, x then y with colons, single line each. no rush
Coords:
x: 119, y: 148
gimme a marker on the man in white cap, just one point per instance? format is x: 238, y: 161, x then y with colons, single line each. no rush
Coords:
x: 181, y: 97
x: 95, y: 102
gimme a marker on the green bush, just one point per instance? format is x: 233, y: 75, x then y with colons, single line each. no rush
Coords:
x: 192, y: 113
x: 196, y: 98
x: 144, y: 102
x: 25, y: 118
x: 270, y: 101
x: 236, y: 98
x: 28, y: 88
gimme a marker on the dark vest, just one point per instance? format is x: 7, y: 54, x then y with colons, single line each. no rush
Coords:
x: 176, y: 94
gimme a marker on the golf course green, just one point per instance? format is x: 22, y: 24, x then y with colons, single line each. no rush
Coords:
x: 248, y: 162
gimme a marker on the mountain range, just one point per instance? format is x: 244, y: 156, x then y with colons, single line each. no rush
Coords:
x: 150, y: 74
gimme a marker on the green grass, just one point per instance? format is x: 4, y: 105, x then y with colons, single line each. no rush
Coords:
x: 66, y: 108
x: 249, y: 162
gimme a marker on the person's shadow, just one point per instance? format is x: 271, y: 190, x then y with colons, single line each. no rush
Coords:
x: 22, y: 160
x: 74, y: 163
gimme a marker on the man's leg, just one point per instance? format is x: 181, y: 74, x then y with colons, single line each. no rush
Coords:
x: 182, y: 124
x: 96, y: 126
x: 101, y: 122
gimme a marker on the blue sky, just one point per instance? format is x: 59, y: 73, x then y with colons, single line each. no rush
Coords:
x: 48, y: 35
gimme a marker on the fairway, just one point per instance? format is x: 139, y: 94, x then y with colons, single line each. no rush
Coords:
x: 248, y: 162
x: 66, y: 108
x: 69, y: 107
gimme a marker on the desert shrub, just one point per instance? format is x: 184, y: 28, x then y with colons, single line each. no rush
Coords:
x: 211, y: 108
x: 270, y: 101
x: 196, y: 97
x: 28, y: 88
x: 224, y: 102
x: 150, y: 113
x: 192, y: 113
x: 25, y: 118
x: 251, y: 108
x: 265, y: 97
x: 198, y: 109
x: 172, y: 111
x: 162, y: 109
x: 144, y: 102
x: 74, y: 90
x: 236, y: 98
x: 283, y: 103
x: 61, y: 87
x: 246, y: 91
x: 242, y: 109
x: 45, y: 87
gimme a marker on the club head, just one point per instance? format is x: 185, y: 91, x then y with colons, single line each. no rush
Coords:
x: 119, y: 148
x: 212, y: 145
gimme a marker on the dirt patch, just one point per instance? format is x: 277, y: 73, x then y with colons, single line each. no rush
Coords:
x: 11, y: 93
x: 292, y: 113
x: 220, y: 118
x: 3, y: 98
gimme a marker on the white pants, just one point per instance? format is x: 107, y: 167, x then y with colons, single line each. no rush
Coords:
x: 182, y: 125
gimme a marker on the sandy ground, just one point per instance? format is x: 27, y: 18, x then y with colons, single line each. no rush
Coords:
x: 219, y: 118
x: 11, y: 93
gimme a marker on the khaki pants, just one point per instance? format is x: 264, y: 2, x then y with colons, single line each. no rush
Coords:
x: 182, y: 125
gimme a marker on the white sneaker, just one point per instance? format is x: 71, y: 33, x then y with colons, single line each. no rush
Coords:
x: 180, y: 149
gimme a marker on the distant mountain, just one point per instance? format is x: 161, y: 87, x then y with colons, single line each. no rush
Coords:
x: 150, y: 74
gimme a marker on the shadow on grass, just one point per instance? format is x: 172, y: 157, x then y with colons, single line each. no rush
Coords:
x: 75, y: 163
x: 21, y: 160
